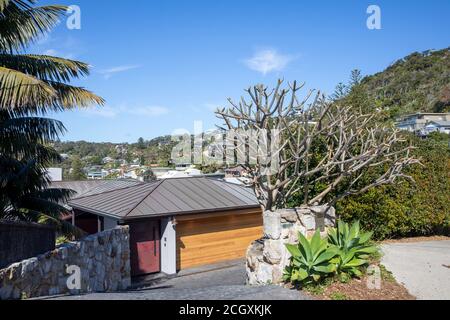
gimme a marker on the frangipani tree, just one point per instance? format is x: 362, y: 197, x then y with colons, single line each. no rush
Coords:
x: 317, y: 142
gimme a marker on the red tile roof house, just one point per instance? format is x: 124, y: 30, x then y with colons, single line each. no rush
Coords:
x: 174, y: 223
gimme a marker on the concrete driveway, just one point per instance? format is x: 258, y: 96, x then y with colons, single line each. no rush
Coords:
x: 219, y: 282
x: 422, y: 267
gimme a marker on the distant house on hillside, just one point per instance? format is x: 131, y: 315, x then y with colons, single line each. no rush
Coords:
x: 107, y: 160
x: 425, y: 123
x: 96, y: 172
x: 55, y: 174
x: 235, y: 172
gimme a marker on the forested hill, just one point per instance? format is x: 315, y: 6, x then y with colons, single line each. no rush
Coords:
x: 419, y: 82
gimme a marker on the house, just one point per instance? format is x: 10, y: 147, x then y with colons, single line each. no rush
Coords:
x: 55, y: 174
x: 160, y: 171
x: 175, y: 223
x: 100, y: 174
x: 235, y: 172
x: 436, y: 126
x: 106, y: 160
x: 425, y: 123
x: 179, y: 174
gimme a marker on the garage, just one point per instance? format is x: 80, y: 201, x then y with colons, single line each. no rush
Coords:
x: 210, y: 239
x: 176, y: 223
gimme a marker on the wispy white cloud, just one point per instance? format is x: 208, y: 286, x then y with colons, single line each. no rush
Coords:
x: 108, y: 73
x: 149, y: 111
x: 268, y: 60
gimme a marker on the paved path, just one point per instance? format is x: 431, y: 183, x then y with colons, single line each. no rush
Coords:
x: 423, y: 267
x: 224, y: 284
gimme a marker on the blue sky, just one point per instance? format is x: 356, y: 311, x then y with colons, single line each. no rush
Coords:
x: 161, y: 65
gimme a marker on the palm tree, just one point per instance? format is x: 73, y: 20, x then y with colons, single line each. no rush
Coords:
x: 30, y: 87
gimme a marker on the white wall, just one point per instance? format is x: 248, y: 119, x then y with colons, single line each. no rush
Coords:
x: 168, y: 246
x: 55, y: 174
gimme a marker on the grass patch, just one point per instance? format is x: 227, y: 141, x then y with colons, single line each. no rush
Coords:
x: 319, y: 287
x: 338, y: 296
x: 386, y: 275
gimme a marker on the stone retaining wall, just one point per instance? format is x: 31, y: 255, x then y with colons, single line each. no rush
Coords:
x: 103, y: 260
x: 268, y: 257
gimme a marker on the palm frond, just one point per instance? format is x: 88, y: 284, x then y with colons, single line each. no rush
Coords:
x: 18, y: 89
x: 30, y: 129
x: 24, y: 4
x: 45, y: 67
x: 69, y: 97
x: 28, y: 138
x: 21, y: 24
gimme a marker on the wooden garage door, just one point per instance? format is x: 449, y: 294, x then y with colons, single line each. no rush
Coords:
x: 204, y: 240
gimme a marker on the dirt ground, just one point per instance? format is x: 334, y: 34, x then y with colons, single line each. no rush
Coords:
x: 357, y: 289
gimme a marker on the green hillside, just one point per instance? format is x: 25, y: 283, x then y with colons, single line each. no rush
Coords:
x: 419, y: 82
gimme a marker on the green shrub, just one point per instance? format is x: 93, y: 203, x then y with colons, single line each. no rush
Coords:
x: 344, y: 253
x: 61, y: 240
x: 353, y: 249
x: 404, y: 209
x: 311, y: 260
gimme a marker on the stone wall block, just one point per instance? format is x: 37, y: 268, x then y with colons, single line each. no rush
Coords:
x: 103, y: 259
x: 272, y: 251
x: 272, y: 224
x: 267, y: 258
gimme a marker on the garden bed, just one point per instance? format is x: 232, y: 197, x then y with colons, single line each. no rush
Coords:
x: 357, y: 289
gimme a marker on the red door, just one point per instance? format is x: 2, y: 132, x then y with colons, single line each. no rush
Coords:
x: 144, y: 246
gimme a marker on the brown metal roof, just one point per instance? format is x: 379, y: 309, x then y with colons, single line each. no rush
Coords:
x: 168, y: 197
x: 91, y: 187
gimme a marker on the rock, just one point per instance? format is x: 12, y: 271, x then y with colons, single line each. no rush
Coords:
x: 63, y: 253
x: 29, y: 265
x: 330, y: 218
x: 277, y: 274
x: 14, y: 271
x: 16, y: 293
x: 285, y: 228
x: 308, y: 221
x: 98, y: 256
x: 6, y: 291
x: 294, y: 231
x: 273, y: 250
x: 251, y: 277
x: 272, y: 224
x: 125, y: 283
x: 46, y: 265
x: 267, y: 259
x: 264, y: 274
x: 53, y: 291
x: 288, y: 215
